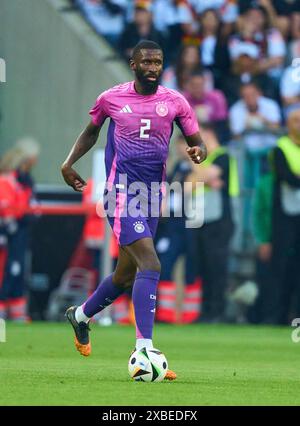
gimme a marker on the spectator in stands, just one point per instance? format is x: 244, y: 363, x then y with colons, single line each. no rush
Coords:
x: 227, y: 10
x: 290, y: 80
x: 206, y: 32
x: 294, y: 45
x: 285, y: 302
x: 188, y: 60
x: 209, y: 105
x: 107, y: 17
x: 213, y: 44
x: 211, y: 241
x: 279, y: 11
x: 141, y: 28
x: 245, y: 68
x: 16, y: 194
x: 209, y: 29
x: 252, y: 113
x: 168, y: 13
x: 290, y: 88
x: 173, y: 18
x: 255, y: 28
x: 285, y: 7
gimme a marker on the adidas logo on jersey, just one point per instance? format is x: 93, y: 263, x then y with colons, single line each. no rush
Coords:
x: 126, y: 108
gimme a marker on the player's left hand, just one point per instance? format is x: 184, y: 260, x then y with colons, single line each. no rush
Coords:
x: 197, y: 153
x: 72, y: 178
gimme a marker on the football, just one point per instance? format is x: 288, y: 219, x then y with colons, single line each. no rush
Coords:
x: 147, y: 365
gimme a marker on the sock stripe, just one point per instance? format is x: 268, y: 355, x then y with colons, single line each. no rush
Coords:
x: 151, y: 275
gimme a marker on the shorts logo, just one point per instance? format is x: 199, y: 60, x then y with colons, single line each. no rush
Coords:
x: 139, y: 227
x: 162, y: 109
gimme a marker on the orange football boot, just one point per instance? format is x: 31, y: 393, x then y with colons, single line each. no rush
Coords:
x: 171, y: 375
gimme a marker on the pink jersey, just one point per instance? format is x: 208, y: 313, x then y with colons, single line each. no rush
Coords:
x: 140, y: 130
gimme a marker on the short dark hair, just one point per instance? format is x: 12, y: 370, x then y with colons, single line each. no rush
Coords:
x: 256, y: 6
x: 145, y: 44
x: 250, y: 83
x: 197, y: 72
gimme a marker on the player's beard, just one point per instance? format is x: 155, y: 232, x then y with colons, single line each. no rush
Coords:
x: 148, y: 86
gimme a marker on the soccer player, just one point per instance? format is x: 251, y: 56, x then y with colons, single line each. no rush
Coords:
x: 141, y: 116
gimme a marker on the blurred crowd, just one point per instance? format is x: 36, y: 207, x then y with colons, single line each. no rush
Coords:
x: 224, y: 44
x: 237, y: 63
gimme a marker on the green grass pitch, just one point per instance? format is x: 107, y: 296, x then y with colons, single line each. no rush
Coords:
x: 216, y: 365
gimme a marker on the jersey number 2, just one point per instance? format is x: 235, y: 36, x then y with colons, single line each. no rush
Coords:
x: 146, y: 126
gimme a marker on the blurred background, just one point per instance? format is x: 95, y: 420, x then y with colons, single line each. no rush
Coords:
x: 237, y: 63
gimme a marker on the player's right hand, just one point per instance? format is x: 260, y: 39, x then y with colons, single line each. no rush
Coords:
x: 72, y: 178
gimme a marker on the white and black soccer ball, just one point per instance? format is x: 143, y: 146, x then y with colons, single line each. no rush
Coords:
x: 147, y: 365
